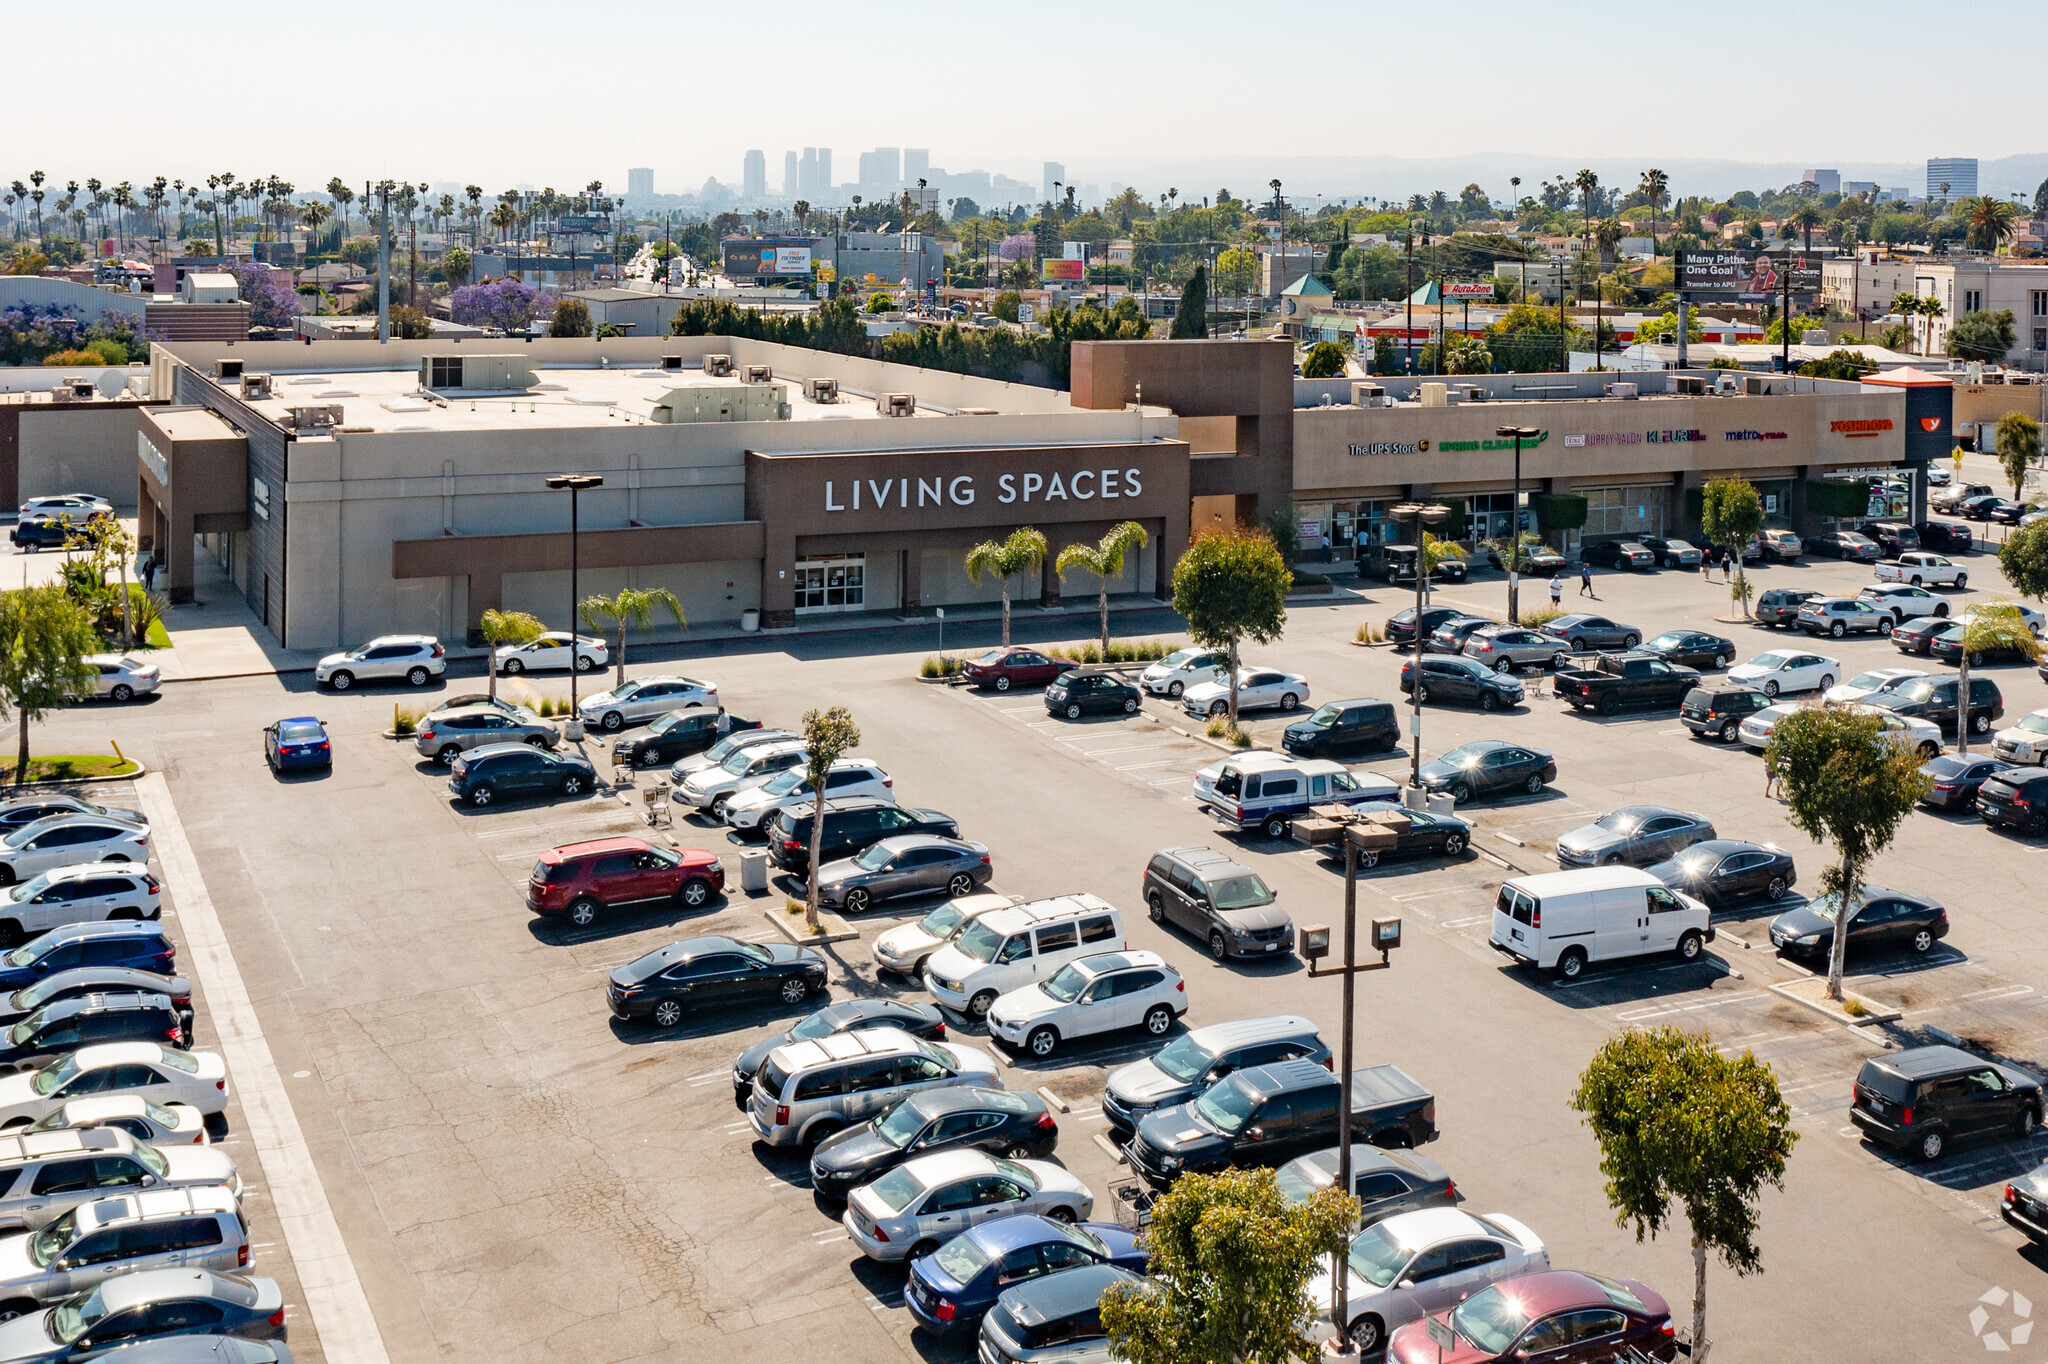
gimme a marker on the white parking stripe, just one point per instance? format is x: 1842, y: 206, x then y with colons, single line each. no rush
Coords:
x: 334, y: 1295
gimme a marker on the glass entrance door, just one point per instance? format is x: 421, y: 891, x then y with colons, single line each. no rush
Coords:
x: 826, y: 585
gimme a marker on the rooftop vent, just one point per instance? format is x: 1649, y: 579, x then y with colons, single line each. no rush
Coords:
x: 757, y: 374
x: 224, y: 370
x: 477, y: 373
x: 821, y: 390
x: 1755, y: 385
x: 1727, y: 385
x: 1621, y: 389
x: 896, y: 404
x: 718, y: 366
x: 1368, y: 395
x: 309, y: 420
x: 255, y: 386
x: 1691, y: 385
x: 671, y: 362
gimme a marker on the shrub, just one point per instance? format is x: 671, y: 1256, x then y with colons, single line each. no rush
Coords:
x: 1303, y: 578
x: 1241, y: 738
x: 791, y: 905
x: 405, y: 719
x: 881, y: 302
x: 1853, y: 1008
x: 939, y: 665
x: 1219, y: 725
x: 1368, y: 633
x: 1540, y: 617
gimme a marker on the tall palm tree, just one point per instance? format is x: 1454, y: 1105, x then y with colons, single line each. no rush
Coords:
x: 506, y: 627
x: 36, y: 178
x: 475, y: 195
x: 339, y: 191
x: 1990, y: 221
x: 632, y: 606
x: 313, y: 214
x: 1655, y: 187
x: 1805, y: 219
x: 1105, y: 560
x: 1022, y: 552
x: 1588, y: 185
x: 1929, y: 308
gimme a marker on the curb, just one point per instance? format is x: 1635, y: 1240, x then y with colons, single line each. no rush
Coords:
x: 1218, y: 743
x: 80, y: 781
x: 1874, y: 1013
x: 784, y: 926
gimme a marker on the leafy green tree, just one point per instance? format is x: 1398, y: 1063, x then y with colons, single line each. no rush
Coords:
x: 506, y: 627
x: 632, y: 606
x: 1982, y: 336
x: 1386, y: 357
x: 108, y: 549
x: 1105, y: 560
x: 1023, y: 551
x: 1232, y: 586
x: 410, y: 324
x: 572, y: 318
x: 1236, y: 271
x: 1838, y: 364
x: 1005, y: 304
x: 2019, y: 445
x: 1989, y: 627
x: 1191, y: 319
x: 881, y: 301
x: 1231, y: 1262
x: 2024, y: 559
x: 1731, y: 512
x: 1680, y: 1123
x: 44, y: 638
x: 456, y: 265
x: 1325, y: 360
x: 828, y: 735
x: 1846, y: 784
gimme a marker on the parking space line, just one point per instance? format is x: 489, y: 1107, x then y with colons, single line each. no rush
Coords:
x: 327, y: 1276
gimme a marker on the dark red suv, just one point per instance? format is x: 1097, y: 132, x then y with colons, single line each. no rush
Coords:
x: 578, y: 879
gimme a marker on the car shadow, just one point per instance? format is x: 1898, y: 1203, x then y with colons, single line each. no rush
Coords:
x: 463, y: 807
x: 1102, y: 1051
x: 552, y: 930
x: 788, y: 1166
x: 294, y: 775
x: 1630, y: 981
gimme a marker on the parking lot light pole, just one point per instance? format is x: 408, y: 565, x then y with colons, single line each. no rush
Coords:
x: 1417, y: 512
x: 1314, y: 946
x: 572, y: 729
x: 1520, y: 433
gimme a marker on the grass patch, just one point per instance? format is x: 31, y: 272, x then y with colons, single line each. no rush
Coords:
x: 1241, y: 738
x: 1853, y: 1008
x: 405, y: 720
x: 1120, y: 651
x: 74, y: 766
x: 1368, y: 633
x: 939, y: 665
x: 791, y: 905
x: 1540, y: 617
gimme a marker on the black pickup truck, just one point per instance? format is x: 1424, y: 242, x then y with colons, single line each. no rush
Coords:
x: 1617, y: 680
x: 1267, y: 1115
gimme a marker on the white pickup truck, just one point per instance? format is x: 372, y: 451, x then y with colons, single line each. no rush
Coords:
x: 1921, y: 568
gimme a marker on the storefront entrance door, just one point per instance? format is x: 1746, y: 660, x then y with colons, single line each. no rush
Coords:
x: 827, y: 585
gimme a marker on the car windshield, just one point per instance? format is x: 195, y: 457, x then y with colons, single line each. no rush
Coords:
x: 2036, y: 723
x: 48, y: 1243
x: 1872, y: 681
x: 1225, y: 1107
x: 723, y: 749
x: 1919, y: 689
x: 1067, y: 985
x: 630, y: 689
x: 874, y: 857
x: 22, y: 834
x: 73, y: 1317
x: 819, y: 1024
x: 1771, y: 661
x: 1180, y: 658
x: 1325, y: 716
x: 24, y: 1030
x: 784, y: 782
x: 979, y: 941
x: 1010, y: 1169
x: 1490, y: 1319
x: 1184, y: 1058
x: 25, y: 955
x: 896, y: 1189
x: 941, y: 922
x: 962, y: 1259
x: 1619, y: 822
x: 1301, y: 1180
x: 736, y: 763
x: 1679, y: 545
x: 152, y: 1159
x: 1240, y: 892
x: 1828, y: 906
x: 58, y: 1072
x: 1376, y: 1256
x: 1467, y: 756
x: 899, y: 1124
x: 664, y: 723
x: 1696, y: 865
x: 28, y: 890
x: 991, y: 658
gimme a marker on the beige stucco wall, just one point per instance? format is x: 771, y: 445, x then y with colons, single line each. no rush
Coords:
x: 82, y: 449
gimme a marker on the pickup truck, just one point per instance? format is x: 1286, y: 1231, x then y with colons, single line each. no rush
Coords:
x: 1921, y: 568
x: 1265, y: 791
x: 1617, y: 680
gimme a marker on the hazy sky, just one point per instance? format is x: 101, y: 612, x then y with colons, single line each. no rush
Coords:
x: 561, y: 93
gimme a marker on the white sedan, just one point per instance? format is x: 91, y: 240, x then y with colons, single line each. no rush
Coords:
x: 68, y: 841
x: 1416, y: 1263
x: 751, y: 809
x: 1785, y: 670
x: 122, y: 678
x: 643, y: 698
x: 923, y: 1203
x: 1094, y: 994
x: 162, y: 1075
x: 1863, y: 686
x: 1903, y: 600
x: 1755, y: 732
x: 1257, y: 689
x: 1906, y: 731
x: 550, y: 652
x: 173, y: 1124
x: 77, y: 506
x: 906, y: 947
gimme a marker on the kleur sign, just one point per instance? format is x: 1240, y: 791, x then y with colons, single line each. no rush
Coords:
x: 1673, y: 437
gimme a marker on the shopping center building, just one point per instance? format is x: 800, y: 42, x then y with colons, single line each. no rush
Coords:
x: 351, y: 490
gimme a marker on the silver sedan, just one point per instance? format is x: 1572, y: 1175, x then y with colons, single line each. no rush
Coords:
x: 909, y: 864
x: 1634, y: 835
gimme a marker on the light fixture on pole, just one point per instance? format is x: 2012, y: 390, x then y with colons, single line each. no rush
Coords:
x: 1520, y: 434
x: 572, y: 729
x: 1417, y: 512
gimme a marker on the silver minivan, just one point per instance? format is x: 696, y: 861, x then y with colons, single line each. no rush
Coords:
x: 806, y: 1091
x: 156, y: 1229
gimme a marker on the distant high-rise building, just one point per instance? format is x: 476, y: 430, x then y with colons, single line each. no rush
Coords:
x: 823, y: 185
x: 754, y: 178
x: 1859, y: 186
x: 640, y: 183
x: 1054, y: 172
x: 1823, y: 181
x: 792, y: 186
x: 807, y: 174
x: 1959, y: 173
x: 917, y: 161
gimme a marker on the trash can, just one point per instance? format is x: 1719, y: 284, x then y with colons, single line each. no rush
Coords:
x: 750, y: 620
x: 753, y: 872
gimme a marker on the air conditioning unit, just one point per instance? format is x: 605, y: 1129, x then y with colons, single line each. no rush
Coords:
x: 1436, y: 395
x: 314, y: 419
x: 821, y: 390
x: 1691, y: 385
x: 72, y: 390
x: 255, y: 386
x: 718, y: 366
x: 224, y: 370
x: 1472, y: 393
x: 1727, y: 385
x: 671, y: 362
x: 1755, y: 385
x: 1368, y: 395
x: 895, y: 404
x: 1621, y: 390
x: 756, y: 374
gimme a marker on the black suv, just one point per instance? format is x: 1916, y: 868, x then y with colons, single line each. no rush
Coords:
x: 68, y: 1024
x: 1219, y: 900
x: 498, y: 772
x: 1893, y: 537
x: 852, y: 823
x: 678, y: 734
x: 1934, y: 698
x: 1720, y: 711
x: 1919, y: 1100
x: 1945, y: 537
x: 1780, y: 607
x: 1344, y: 727
x: 2016, y: 798
x: 1401, y: 625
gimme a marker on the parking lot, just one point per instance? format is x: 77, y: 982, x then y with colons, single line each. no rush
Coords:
x: 519, y: 1176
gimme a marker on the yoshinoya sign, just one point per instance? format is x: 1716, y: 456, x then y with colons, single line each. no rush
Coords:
x: 1745, y: 276
x: 1855, y: 429
x: 960, y: 490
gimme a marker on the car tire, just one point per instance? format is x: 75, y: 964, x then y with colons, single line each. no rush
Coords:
x: 1962, y: 581
x: 1020, y: 1150
x: 1578, y: 646
x: 717, y: 810
x: 18, y: 1307
x: 612, y: 721
x: 1837, y: 630
x: 857, y: 901
x: 1461, y: 794
x: 1274, y: 827
x: 536, y: 740
x: 1174, y: 689
x: 1722, y: 660
x: 1288, y: 700
x: 448, y: 754
x: 1930, y: 749
x: 418, y: 677
x: 1503, y: 665
x: 1218, y: 708
x: 1980, y: 724
x: 1219, y: 946
x: 572, y: 785
x: 1922, y: 940
x: 1770, y: 687
x: 1572, y: 964
x: 667, y: 1014
x: 513, y: 667
x: 1610, y: 704
x: 695, y: 893
x: 1368, y: 859
x: 1367, y: 1335
x: 1630, y: 641
x: 815, y: 1134
x: 1454, y: 845
x: 1158, y: 1019
x: 1690, y: 945
x: 1421, y: 694
x: 794, y: 990
x: 585, y: 663
x: 1488, y: 702
x: 1776, y: 889
x: 1728, y: 732
x: 2027, y: 1124
x: 583, y: 911
x: 978, y: 1006
x: 1155, y: 907
x: 1130, y: 705
x: 1002, y: 682
x: 1559, y: 661
x: 342, y: 681
x: 961, y: 884
x: 1932, y: 1143
x: 121, y: 692
x: 1062, y: 1215
x: 921, y: 1249
x: 480, y: 794
x: 1885, y: 625
x: 1914, y: 580
x: 1042, y: 1042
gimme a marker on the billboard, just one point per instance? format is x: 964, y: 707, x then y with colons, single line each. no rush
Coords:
x: 1745, y: 276
x: 584, y: 222
x: 1468, y: 290
x: 749, y: 256
x: 1063, y: 269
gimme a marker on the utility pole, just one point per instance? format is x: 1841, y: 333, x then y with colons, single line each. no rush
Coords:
x: 1785, y: 316
x: 1408, y: 326
x: 1417, y: 512
x: 1520, y: 433
x: 383, y: 259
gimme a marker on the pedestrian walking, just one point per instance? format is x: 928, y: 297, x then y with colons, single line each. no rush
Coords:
x: 1586, y: 580
x: 1556, y: 591
x: 1774, y: 780
x: 1727, y: 566
x: 1707, y: 567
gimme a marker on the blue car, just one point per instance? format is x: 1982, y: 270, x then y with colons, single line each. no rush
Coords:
x: 300, y: 742
x: 138, y: 944
x: 951, y: 1289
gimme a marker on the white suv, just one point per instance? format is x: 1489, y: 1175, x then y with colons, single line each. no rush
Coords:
x: 643, y: 698
x: 413, y: 659
x: 1007, y: 949
x: 1181, y: 669
x: 1103, y: 993
x: 2025, y: 742
x: 751, y: 809
x: 75, y: 895
x: 70, y: 841
x: 709, y: 788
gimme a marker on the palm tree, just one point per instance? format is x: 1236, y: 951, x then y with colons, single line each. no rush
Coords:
x: 312, y: 215
x: 506, y: 627
x: 632, y: 606
x: 1806, y: 219
x: 1990, y: 221
x: 36, y: 178
x: 1929, y: 308
x: 1988, y: 627
x: 1655, y: 187
x: 1608, y: 236
x: 475, y: 195
x: 1022, y: 552
x: 1105, y: 560
x: 1588, y: 185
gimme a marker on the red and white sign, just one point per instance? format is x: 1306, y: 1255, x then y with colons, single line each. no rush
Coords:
x: 1481, y: 290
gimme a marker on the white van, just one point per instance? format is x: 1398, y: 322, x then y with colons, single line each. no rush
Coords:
x: 1566, y: 919
x: 1007, y: 949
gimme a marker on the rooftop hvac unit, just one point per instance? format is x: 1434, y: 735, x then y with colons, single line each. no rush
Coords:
x: 1436, y: 395
x: 224, y: 370
x: 671, y: 362
x: 756, y: 374
x: 1727, y: 385
x: 307, y: 420
x: 255, y: 386
x: 1755, y: 385
x: 72, y: 390
x: 1621, y: 390
x: 1818, y: 336
x: 821, y: 390
x: 1472, y: 393
x: 895, y: 404
x: 695, y: 403
x: 1368, y: 395
x: 1690, y: 384
x: 477, y: 373
x: 718, y: 366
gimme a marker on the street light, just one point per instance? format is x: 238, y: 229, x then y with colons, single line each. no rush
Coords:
x: 572, y: 730
x: 1418, y: 512
x: 1520, y: 433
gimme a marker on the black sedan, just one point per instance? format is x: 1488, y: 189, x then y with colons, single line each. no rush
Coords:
x: 712, y: 972
x: 678, y: 734
x: 2008, y: 511
x: 1977, y: 508
x: 1462, y: 679
x: 1005, y: 1122
x: 1954, y: 778
x: 1407, y: 833
x: 919, y: 1020
x: 1620, y: 554
x: 1948, y: 647
x: 1489, y: 767
x: 1916, y: 634
x: 1723, y: 871
x: 1945, y: 537
x: 1883, y: 918
x: 43, y: 532
x: 93, y: 980
x: 1078, y: 693
x: 1401, y: 625
x: 1693, y: 648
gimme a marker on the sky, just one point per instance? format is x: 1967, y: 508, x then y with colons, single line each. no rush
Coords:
x: 520, y: 92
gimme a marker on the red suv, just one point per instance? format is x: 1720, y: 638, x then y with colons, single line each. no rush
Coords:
x: 578, y: 879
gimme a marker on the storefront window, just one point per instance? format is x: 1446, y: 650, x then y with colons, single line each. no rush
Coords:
x: 1490, y: 516
x: 831, y: 584
x: 1629, y: 513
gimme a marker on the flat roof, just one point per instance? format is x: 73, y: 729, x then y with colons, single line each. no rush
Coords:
x: 191, y: 423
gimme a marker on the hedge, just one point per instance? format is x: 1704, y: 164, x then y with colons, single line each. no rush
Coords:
x: 1558, y: 511
x: 1837, y: 497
